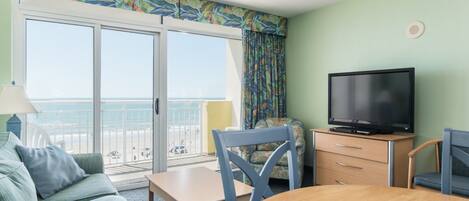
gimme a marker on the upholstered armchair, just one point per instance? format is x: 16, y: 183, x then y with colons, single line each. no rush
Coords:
x: 257, y: 155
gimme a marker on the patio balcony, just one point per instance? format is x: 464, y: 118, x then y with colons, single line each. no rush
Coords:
x: 126, y: 132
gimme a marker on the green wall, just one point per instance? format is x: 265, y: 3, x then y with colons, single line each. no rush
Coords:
x: 5, y: 52
x: 370, y: 34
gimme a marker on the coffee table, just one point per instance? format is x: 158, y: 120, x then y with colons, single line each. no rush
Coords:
x: 192, y: 184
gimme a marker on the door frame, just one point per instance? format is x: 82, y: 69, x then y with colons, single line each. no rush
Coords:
x: 98, y: 16
x: 77, y: 13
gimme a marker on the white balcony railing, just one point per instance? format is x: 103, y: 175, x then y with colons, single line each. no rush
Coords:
x: 126, y: 128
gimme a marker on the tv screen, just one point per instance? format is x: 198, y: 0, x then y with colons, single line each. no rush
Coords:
x: 380, y: 100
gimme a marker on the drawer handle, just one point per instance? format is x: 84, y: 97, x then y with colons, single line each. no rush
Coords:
x: 347, y: 146
x: 340, y: 182
x: 348, y: 166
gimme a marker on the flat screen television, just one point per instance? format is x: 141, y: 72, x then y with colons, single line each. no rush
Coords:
x: 372, y: 101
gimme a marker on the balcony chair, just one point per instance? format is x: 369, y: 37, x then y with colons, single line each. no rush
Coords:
x: 40, y: 138
x: 259, y: 180
x: 454, y: 174
x: 257, y: 156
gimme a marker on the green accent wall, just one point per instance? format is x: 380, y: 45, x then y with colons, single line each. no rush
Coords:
x: 5, y: 50
x: 355, y: 35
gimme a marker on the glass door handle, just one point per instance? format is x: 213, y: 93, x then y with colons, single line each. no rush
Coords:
x: 157, y: 106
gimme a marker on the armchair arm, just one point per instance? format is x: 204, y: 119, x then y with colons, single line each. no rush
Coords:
x: 423, y: 146
x: 91, y: 163
x: 300, y: 144
x: 417, y: 150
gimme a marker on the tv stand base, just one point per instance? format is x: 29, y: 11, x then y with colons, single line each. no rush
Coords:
x: 360, y: 131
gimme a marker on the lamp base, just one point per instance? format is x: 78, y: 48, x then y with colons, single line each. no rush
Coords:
x: 14, y: 125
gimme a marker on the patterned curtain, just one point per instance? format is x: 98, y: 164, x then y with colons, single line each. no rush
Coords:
x: 264, y: 77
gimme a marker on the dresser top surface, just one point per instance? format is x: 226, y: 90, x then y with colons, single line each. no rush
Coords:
x: 383, y: 137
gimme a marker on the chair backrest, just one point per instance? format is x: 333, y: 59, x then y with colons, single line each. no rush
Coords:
x: 260, y: 181
x: 455, y: 147
x: 38, y: 136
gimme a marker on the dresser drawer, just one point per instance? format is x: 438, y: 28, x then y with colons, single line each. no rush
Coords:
x: 352, y: 166
x: 375, y: 150
x: 331, y: 177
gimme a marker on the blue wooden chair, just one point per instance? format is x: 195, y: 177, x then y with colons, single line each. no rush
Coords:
x: 260, y: 181
x: 455, y: 155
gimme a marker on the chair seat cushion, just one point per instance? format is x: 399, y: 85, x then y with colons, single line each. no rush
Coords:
x: 92, y: 187
x: 260, y: 157
x: 110, y: 198
x: 433, y: 180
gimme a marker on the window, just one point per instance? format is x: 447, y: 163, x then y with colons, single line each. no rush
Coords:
x: 94, y: 86
x: 60, y: 84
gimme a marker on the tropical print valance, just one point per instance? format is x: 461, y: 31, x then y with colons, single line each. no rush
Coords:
x: 204, y: 11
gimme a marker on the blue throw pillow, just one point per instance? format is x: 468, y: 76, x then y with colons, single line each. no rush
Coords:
x: 51, y: 168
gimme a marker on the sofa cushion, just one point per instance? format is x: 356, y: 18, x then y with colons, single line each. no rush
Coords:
x: 51, y: 168
x: 8, y: 142
x: 15, y: 182
x: 110, y: 198
x: 92, y: 187
x: 433, y: 180
x: 260, y: 157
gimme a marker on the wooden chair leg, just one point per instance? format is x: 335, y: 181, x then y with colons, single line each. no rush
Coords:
x: 437, y: 159
x: 410, y: 178
x: 150, y: 195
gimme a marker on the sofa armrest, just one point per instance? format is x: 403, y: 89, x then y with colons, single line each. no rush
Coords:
x: 91, y: 163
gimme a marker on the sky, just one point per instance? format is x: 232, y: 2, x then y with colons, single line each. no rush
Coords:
x: 60, y: 63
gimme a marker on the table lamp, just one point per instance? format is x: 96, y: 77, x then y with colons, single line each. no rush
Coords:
x: 13, y: 100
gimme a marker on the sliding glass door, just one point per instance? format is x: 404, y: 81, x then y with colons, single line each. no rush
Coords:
x: 96, y: 86
x: 95, y: 89
x: 204, y: 93
x: 127, y: 67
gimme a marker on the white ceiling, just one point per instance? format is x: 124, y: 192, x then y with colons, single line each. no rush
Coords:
x: 286, y: 8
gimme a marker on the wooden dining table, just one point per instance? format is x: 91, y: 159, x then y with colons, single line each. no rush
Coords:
x: 361, y: 193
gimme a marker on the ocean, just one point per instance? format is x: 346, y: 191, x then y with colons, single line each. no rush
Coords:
x: 126, y: 127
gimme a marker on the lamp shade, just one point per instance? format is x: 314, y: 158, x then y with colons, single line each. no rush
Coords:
x: 13, y: 100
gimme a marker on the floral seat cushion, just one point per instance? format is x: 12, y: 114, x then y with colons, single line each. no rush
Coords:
x: 260, y: 157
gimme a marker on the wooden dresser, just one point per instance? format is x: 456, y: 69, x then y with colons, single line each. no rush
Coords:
x: 342, y: 158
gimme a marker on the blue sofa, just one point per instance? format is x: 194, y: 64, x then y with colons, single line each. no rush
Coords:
x: 15, y: 182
